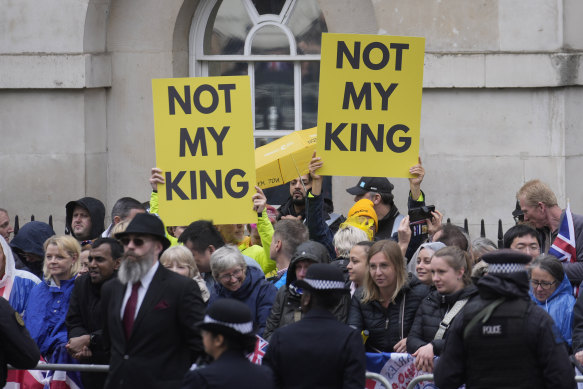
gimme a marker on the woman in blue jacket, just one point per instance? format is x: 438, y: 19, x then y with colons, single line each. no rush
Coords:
x: 551, y: 290
x: 49, y: 300
x: 237, y: 281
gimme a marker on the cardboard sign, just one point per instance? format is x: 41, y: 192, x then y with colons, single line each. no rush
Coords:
x: 204, y: 145
x: 369, y: 107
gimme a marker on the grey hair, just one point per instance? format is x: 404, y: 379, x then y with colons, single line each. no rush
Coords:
x: 346, y: 238
x: 550, y: 264
x: 481, y: 246
x: 225, y: 258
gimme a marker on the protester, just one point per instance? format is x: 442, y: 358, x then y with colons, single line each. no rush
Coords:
x: 49, y: 300
x: 287, y: 236
x: 357, y: 265
x: 318, y: 351
x: 420, y: 263
x: 238, y: 281
x: 84, y: 320
x: 386, y: 304
x: 84, y: 259
x: 523, y: 238
x: 124, y: 209
x: 149, y: 313
x: 5, y: 227
x: 450, y: 271
x: 481, y: 246
x: 344, y: 240
x: 295, y: 205
x: 28, y: 246
x: 85, y: 219
x: 227, y: 334
x: 540, y: 208
x: 18, y: 348
x: 501, y: 339
x: 551, y: 290
x: 451, y: 235
x: 286, y: 307
x: 15, y: 285
x: 179, y: 259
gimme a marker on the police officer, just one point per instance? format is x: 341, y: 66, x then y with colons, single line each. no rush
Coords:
x: 502, y: 339
x: 16, y: 346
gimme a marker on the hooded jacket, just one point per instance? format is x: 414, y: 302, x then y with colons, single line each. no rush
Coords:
x: 430, y: 314
x: 387, y: 326
x: 286, y: 308
x: 16, y: 284
x: 30, y: 239
x: 96, y: 211
x: 255, y: 291
x: 559, y: 306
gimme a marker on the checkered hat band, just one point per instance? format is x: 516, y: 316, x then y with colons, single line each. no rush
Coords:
x: 324, y: 284
x: 243, y: 328
x: 506, y: 267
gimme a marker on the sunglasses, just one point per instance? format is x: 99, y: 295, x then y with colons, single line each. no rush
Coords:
x: 138, y: 242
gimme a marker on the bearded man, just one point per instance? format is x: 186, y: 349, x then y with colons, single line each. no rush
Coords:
x: 150, y: 313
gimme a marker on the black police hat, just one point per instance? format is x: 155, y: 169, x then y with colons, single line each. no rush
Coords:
x: 323, y: 277
x: 229, y: 317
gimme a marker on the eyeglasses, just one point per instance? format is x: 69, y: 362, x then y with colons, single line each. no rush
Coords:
x: 138, y: 242
x: 544, y: 285
x: 227, y: 277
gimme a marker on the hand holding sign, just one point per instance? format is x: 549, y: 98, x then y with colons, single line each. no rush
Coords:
x: 156, y: 178
x: 315, y: 164
x: 418, y: 173
x: 259, y: 200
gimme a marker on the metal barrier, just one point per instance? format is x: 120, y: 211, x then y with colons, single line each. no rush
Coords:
x: 429, y: 377
x: 68, y: 367
x: 379, y: 378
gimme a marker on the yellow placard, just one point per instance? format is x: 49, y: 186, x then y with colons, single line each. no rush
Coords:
x: 369, y: 105
x: 204, y: 145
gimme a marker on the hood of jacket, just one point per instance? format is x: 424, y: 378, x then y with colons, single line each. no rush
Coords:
x: 563, y: 288
x: 311, y: 251
x: 9, y: 260
x: 96, y: 210
x: 511, y: 285
x: 31, y: 237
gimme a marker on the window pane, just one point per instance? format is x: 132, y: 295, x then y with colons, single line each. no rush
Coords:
x: 307, y: 23
x: 270, y: 40
x: 274, y: 96
x: 229, y: 29
x: 227, y: 69
x: 310, y: 84
x: 268, y: 6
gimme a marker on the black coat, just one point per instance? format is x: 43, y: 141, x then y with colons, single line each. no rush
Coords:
x: 387, y: 326
x: 542, y: 361
x: 317, y: 352
x: 430, y: 313
x: 164, y: 341
x: 578, y: 324
x: 230, y: 370
x: 17, y: 347
x: 84, y: 318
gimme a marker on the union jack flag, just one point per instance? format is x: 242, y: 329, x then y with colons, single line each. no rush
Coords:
x: 260, y: 348
x: 564, y: 247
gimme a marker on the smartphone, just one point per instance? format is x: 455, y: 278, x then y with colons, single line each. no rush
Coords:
x: 418, y: 219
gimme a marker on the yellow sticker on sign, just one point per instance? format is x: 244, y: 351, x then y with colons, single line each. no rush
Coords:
x: 204, y: 145
x: 369, y: 106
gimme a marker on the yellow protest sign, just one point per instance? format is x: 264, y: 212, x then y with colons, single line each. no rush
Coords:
x: 204, y: 145
x: 369, y: 105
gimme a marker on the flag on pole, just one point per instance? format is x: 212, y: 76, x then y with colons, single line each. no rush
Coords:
x: 564, y: 246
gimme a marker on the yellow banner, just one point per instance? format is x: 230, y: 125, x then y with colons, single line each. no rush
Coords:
x: 204, y: 145
x: 369, y: 106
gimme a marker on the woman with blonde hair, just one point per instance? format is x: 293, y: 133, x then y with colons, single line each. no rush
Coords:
x: 49, y: 301
x: 384, y: 308
x: 180, y: 260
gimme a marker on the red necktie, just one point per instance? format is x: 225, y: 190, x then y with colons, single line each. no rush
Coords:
x: 130, y: 310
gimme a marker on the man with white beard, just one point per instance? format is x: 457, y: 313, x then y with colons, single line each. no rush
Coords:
x: 150, y: 313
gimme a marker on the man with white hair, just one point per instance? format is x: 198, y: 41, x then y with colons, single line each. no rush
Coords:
x: 150, y: 313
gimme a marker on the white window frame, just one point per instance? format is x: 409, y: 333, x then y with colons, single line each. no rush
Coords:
x: 198, y: 61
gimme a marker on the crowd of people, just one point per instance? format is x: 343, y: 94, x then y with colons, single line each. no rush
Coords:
x: 152, y: 301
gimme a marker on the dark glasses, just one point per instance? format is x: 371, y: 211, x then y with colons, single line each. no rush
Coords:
x: 137, y: 241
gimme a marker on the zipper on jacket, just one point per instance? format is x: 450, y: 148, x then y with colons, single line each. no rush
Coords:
x: 387, y: 323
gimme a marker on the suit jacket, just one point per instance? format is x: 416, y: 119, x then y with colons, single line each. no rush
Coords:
x: 164, y: 342
x: 317, y: 352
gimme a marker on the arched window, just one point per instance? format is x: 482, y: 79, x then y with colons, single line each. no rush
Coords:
x: 277, y: 43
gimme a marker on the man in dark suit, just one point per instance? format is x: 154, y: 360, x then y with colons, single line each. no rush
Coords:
x: 150, y: 313
x: 318, y: 351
